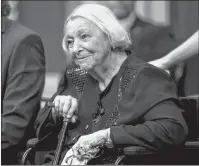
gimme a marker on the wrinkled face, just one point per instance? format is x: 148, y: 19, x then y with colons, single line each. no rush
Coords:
x: 87, y: 44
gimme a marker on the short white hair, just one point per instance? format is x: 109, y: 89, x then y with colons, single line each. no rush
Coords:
x: 104, y: 18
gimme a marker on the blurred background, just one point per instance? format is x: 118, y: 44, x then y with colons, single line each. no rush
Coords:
x: 47, y: 18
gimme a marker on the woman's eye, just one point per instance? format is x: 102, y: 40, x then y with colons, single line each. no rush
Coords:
x: 70, y: 43
x: 84, y: 36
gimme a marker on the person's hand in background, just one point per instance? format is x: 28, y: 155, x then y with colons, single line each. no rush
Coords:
x: 160, y: 63
x: 183, y: 52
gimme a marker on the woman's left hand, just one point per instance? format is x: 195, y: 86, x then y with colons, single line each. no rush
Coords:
x: 87, y: 147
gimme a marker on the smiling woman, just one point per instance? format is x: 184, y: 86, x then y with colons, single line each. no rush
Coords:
x: 119, y: 99
x: 84, y: 43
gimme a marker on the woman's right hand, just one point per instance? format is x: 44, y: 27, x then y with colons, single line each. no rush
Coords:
x: 65, y: 106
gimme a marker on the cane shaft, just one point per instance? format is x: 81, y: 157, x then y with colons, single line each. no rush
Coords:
x: 60, y: 142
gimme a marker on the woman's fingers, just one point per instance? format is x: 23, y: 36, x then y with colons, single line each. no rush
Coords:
x: 74, y: 118
x: 66, y: 106
x: 91, y: 154
x: 56, y: 102
x: 82, y: 152
x: 62, y: 101
x: 73, y: 107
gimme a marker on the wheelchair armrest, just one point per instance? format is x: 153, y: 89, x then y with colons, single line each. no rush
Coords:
x: 40, y: 144
x: 192, y: 145
x: 33, y: 143
x: 137, y: 150
x: 32, y: 146
x: 133, y: 151
x: 36, y: 144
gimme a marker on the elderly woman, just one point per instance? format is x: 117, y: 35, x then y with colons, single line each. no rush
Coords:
x: 117, y: 98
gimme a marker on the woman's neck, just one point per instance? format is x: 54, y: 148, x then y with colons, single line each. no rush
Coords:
x: 104, y: 73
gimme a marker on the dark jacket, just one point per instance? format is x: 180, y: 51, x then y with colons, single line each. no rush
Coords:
x: 22, y: 82
x: 141, y: 108
x: 151, y: 41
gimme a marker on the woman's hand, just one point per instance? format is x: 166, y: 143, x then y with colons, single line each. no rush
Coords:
x: 65, y: 106
x: 87, y: 147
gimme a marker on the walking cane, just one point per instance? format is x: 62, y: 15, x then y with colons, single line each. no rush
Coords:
x: 61, y: 137
x: 61, y: 141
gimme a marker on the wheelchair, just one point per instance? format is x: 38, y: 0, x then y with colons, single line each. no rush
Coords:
x: 187, y: 154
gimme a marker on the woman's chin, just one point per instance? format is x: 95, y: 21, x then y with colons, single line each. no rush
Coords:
x: 85, y: 67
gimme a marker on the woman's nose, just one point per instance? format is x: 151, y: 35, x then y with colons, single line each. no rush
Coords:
x: 77, y: 48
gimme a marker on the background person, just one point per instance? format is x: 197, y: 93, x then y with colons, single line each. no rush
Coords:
x: 22, y: 76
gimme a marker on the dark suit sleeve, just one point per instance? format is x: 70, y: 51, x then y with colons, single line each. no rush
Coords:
x: 152, y: 99
x: 24, y: 87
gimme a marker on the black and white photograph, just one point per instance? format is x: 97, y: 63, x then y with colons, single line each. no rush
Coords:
x: 99, y: 82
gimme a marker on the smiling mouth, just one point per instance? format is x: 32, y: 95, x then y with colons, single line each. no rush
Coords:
x: 82, y: 58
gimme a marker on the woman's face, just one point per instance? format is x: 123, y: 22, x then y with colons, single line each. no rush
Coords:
x: 88, y: 45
